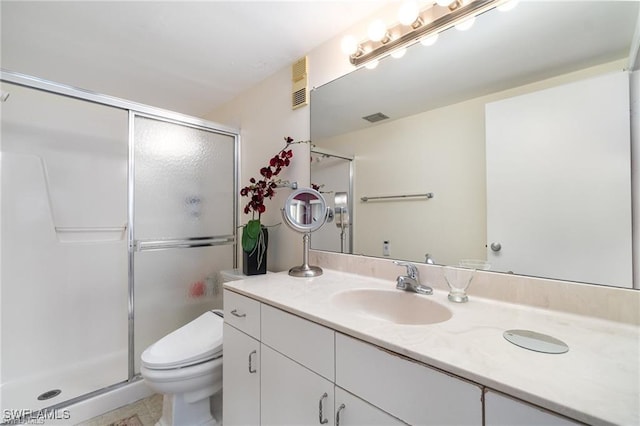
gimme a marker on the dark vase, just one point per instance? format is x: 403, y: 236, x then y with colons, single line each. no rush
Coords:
x: 255, y: 262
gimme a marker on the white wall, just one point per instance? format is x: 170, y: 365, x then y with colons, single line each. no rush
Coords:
x: 264, y: 116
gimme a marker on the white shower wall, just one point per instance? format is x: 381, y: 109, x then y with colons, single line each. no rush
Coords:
x: 64, y: 247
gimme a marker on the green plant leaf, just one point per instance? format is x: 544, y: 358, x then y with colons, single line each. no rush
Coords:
x: 250, y: 233
x: 253, y: 228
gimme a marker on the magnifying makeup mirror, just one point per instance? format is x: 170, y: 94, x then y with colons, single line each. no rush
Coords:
x: 305, y: 211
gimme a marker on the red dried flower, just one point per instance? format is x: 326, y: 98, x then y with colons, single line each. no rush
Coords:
x: 265, y: 188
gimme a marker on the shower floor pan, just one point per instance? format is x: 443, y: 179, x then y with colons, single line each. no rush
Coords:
x: 81, y: 379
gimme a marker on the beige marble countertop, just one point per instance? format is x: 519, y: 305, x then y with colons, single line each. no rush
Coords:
x: 596, y: 382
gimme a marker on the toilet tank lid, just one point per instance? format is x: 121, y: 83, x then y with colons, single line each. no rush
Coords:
x: 197, y: 341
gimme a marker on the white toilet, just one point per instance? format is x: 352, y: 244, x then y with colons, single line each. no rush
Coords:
x: 186, y: 367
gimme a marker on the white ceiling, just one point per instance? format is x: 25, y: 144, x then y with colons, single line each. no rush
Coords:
x: 183, y: 56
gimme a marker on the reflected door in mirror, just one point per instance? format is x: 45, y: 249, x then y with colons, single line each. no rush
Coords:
x: 558, y: 182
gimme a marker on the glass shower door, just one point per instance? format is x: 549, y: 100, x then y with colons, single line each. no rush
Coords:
x: 184, y: 226
x: 64, y: 248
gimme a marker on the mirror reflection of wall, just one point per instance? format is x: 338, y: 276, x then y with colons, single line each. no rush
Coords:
x: 440, y: 146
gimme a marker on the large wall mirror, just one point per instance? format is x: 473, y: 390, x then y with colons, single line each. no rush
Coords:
x: 532, y: 194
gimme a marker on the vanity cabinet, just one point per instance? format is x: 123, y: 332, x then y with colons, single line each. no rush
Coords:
x: 305, y: 373
x: 500, y: 410
x: 291, y: 394
x: 241, y: 375
x: 353, y: 411
x: 241, y: 360
x: 297, y: 370
x: 411, y: 391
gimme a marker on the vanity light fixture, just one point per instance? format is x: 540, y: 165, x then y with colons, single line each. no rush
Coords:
x: 466, y: 24
x: 429, y: 41
x: 508, y: 5
x: 415, y: 26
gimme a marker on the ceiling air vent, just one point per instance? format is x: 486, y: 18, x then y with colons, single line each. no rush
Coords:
x: 373, y: 118
x: 300, y: 90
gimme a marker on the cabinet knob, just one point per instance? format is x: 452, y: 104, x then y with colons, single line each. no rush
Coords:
x: 496, y: 246
x: 320, y: 415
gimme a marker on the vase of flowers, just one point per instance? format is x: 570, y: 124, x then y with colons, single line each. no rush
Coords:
x: 255, y: 236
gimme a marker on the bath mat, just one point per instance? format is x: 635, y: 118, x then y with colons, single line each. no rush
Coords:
x: 129, y: 421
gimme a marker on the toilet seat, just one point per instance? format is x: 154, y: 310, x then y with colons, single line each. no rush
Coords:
x: 196, y: 342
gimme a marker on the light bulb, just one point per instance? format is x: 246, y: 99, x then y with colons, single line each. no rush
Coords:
x: 429, y: 41
x: 349, y: 45
x: 399, y: 53
x: 371, y: 65
x: 466, y: 24
x: 508, y: 5
x: 445, y: 3
x: 408, y: 12
x: 377, y: 30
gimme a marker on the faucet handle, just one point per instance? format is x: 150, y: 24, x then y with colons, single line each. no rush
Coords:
x: 412, y: 270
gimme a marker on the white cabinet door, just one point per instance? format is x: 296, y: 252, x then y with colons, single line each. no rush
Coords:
x: 559, y: 182
x: 352, y: 411
x: 500, y: 410
x: 241, y: 378
x: 292, y: 394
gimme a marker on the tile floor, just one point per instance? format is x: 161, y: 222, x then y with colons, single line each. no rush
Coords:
x: 148, y: 410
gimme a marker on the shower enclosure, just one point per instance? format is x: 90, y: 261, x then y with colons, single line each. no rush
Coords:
x: 333, y: 173
x: 115, y: 221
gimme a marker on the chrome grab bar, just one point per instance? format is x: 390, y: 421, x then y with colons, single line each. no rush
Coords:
x: 143, y: 245
x: 403, y: 196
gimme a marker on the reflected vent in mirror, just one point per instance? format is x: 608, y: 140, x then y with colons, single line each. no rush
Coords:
x: 373, y: 118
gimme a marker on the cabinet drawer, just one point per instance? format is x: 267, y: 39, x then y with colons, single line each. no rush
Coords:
x: 500, y: 410
x: 242, y: 312
x: 407, y: 390
x: 303, y: 341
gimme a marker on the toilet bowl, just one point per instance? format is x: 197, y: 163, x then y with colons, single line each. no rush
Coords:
x: 186, y: 367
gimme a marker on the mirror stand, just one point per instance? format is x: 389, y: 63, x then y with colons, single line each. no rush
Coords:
x: 305, y: 270
x: 305, y: 211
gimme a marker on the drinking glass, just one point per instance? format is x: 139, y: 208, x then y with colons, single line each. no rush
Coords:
x: 458, y: 280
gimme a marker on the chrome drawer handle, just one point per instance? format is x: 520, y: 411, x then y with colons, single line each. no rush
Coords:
x: 342, y: 407
x: 236, y: 314
x: 320, y: 416
x: 251, y: 369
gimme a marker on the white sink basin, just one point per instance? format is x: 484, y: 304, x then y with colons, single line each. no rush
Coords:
x: 396, y: 306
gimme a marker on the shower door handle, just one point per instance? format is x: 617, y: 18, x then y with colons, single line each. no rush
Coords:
x: 251, y: 369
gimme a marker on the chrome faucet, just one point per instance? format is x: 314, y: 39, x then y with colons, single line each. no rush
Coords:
x: 411, y: 281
